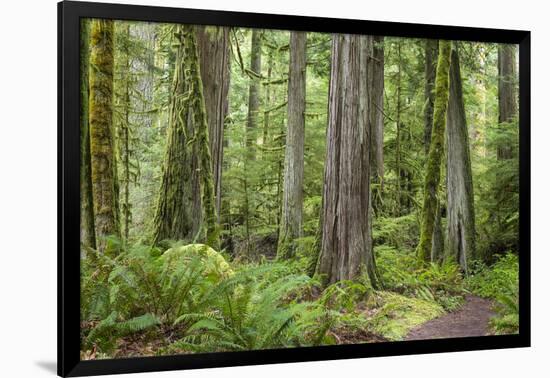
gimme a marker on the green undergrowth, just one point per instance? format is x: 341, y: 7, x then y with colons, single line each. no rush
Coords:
x: 191, y: 298
x: 499, y: 282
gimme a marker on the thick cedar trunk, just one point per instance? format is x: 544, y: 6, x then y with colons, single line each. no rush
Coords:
x: 213, y: 46
x: 460, y: 191
x: 101, y: 130
x: 507, y: 96
x: 291, y: 218
x: 87, y: 224
x: 173, y: 218
x: 201, y: 138
x: 377, y: 119
x: 346, y: 242
x: 430, y: 62
x: 435, y: 155
x: 186, y: 204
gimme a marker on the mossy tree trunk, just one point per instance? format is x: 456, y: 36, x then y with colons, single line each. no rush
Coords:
x: 435, y: 154
x: 186, y: 204
x: 173, y: 218
x: 346, y: 241
x: 214, y: 52
x: 460, y: 190
x: 376, y: 98
x: 201, y: 138
x: 291, y: 218
x: 87, y: 224
x: 430, y: 65
x: 507, y: 95
x: 102, y: 156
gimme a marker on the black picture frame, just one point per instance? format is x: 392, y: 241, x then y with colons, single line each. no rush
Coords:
x: 69, y: 14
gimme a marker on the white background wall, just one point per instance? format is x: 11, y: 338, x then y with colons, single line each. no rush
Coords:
x: 28, y: 158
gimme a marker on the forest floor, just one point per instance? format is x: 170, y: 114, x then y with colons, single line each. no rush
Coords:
x: 472, y: 319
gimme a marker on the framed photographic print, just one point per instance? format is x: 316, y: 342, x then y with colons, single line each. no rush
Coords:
x: 239, y: 188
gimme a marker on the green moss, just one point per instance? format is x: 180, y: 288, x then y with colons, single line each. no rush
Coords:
x: 398, y: 315
x: 433, y: 165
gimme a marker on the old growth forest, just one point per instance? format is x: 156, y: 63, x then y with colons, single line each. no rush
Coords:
x: 257, y: 189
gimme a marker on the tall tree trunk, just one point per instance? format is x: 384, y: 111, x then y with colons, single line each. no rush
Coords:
x: 124, y: 126
x: 377, y: 120
x: 173, y: 214
x: 398, y: 125
x: 254, y: 89
x: 291, y: 219
x: 433, y: 164
x: 430, y: 63
x: 460, y: 190
x: 214, y: 49
x: 507, y: 95
x: 346, y: 242
x: 201, y: 136
x: 103, y: 162
x: 252, y: 125
x: 87, y: 224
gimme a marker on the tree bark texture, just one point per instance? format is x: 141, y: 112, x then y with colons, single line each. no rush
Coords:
x: 460, y: 190
x: 214, y: 50
x: 103, y: 162
x: 346, y: 241
x: 435, y: 155
x: 291, y: 218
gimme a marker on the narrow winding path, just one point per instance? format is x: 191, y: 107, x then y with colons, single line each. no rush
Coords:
x: 472, y: 319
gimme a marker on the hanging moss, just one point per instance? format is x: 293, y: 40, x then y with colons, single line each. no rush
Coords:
x: 435, y: 154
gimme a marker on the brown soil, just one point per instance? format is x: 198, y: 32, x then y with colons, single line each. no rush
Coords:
x: 472, y: 319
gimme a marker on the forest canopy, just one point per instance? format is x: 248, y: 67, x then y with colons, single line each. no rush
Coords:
x: 248, y: 189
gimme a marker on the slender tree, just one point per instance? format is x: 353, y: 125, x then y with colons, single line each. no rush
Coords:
x: 87, y: 224
x: 460, y: 190
x: 430, y: 63
x: 507, y: 95
x: 291, y: 219
x: 433, y: 164
x: 254, y: 88
x: 103, y: 162
x: 346, y: 240
x: 377, y: 119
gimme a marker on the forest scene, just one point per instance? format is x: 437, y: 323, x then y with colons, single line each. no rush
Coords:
x: 247, y: 189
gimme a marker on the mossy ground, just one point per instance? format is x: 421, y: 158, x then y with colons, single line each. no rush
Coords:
x: 398, y: 315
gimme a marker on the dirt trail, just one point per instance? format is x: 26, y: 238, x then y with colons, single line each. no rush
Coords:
x: 472, y: 319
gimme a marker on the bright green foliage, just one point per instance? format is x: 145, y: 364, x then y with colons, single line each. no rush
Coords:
x: 399, y: 314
